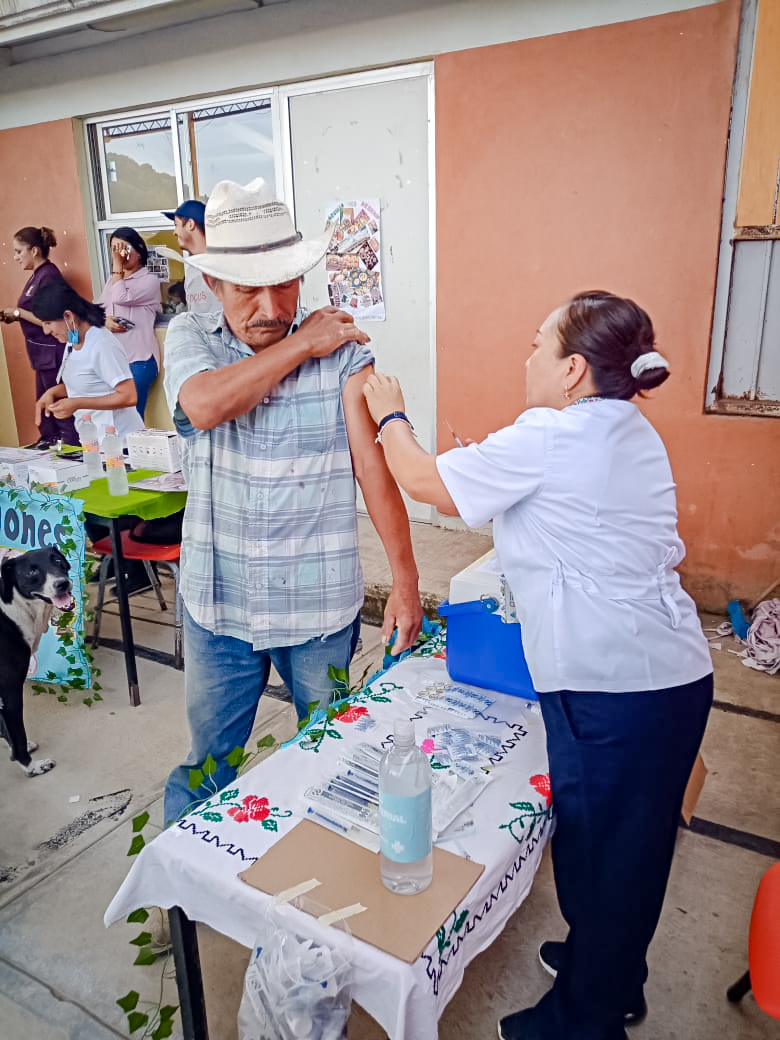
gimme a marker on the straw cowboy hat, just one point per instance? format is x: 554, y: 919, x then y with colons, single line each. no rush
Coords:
x: 251, y: 239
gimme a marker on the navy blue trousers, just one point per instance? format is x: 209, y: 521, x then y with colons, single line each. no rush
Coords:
x: 619, y: 765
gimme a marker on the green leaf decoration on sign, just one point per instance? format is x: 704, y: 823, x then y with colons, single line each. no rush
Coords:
x: 267, y: 741
x: 196, y: 779
x: 209, y: 766
x: 165, y: 1029
x: 142, y: 939
x: 138, y: 916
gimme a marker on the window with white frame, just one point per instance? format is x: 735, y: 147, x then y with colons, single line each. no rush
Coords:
x: 147, y: 162
x: 744, y: 372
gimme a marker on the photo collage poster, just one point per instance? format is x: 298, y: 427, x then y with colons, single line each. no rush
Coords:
x: 353, y: 261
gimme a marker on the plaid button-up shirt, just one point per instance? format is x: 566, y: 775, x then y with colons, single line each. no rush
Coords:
x: 270, y: 545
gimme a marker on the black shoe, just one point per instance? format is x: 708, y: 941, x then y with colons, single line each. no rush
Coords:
x: 551, y: 958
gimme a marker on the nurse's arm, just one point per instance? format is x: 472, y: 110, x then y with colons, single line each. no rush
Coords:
x: 414, y: 468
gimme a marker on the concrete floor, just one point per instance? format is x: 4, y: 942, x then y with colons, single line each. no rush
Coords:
x: 62, y: 859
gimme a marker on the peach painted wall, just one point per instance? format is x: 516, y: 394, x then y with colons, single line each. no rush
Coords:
x: 595, y: 159
x: 41, y: 187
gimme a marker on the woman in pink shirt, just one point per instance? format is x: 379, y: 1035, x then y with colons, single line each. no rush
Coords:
x: 131, y: 298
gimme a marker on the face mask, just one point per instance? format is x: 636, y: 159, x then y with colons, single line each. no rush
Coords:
x: 73, y: 337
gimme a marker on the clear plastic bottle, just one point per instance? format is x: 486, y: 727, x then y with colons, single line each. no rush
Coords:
x: 115, y: 463
x: 405, y: 826
x: 90, y: 446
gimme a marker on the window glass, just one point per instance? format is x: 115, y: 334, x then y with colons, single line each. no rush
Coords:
x: 228, y: 142
x: 139, y: 164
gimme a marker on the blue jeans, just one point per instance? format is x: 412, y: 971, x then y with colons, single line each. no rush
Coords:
x: 223, y: 681
x: 144, y: 374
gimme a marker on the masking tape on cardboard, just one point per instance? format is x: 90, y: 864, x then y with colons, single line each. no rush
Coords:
x: 297, y: 890
x: 342, y: 914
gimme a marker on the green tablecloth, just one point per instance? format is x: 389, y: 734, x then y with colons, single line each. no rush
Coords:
x: 149, y: 505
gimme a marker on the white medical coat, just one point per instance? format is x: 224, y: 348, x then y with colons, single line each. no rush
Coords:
x: 584, y: 517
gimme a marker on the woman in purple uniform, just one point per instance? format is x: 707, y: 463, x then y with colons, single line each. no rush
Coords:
x: 31, y: 252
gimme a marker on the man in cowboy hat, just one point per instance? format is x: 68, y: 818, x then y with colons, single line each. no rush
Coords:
x: 275, y: 430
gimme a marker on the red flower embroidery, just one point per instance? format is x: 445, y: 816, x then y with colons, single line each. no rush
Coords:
x: 541, y: 784
x: 352, y: 714
x: 254, y: 808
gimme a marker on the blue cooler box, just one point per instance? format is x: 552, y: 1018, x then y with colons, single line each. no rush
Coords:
x: 483, y: 649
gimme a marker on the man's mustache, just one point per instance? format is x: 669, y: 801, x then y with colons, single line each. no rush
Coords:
x: 270, y: 323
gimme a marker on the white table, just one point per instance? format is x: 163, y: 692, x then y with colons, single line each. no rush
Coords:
x: 194, y: 864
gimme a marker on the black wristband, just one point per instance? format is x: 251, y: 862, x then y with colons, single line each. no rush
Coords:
x: 390, y: 417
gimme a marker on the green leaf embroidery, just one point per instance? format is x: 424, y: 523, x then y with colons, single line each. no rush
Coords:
x: 215, y: 817
x: 270, y: 825
x: 228, y: 796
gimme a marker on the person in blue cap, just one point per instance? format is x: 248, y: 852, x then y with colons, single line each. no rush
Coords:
x: 189, y: 228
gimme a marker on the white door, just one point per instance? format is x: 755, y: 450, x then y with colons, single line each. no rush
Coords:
x: 353, y: 139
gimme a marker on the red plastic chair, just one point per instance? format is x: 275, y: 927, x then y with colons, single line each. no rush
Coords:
x: 168, y: 556
x: 763, y: 975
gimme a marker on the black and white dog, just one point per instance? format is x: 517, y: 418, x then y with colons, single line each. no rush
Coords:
x: 32, y: 586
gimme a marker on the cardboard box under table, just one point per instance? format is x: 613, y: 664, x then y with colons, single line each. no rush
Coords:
x: 196, y: 866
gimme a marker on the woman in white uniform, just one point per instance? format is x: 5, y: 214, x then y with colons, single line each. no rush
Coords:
x: 94, y: 377
x: 584, y: 514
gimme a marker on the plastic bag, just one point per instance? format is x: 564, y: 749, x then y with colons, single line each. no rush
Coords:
x: 295, y: 987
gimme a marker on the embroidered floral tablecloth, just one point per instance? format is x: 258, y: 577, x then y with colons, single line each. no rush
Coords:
x: 195, y: 863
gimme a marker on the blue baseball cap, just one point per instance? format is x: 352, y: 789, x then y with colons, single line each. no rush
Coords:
x: 189, y: 210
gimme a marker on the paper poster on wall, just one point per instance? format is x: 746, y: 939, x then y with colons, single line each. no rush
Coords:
x: 33, y: 520
x: 353, y: 262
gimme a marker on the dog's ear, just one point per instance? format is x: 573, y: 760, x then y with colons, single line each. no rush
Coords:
x: 6, y: 580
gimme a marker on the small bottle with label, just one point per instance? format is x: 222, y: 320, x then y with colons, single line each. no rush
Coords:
x: 115, y: 463
x: 405, y: 823
x: 90, y: 447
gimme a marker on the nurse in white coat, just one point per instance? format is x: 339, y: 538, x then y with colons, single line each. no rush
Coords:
x: 584, y: 514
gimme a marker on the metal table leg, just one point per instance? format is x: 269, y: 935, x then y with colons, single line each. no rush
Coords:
x: 189, y: 980
x: 124, y: 613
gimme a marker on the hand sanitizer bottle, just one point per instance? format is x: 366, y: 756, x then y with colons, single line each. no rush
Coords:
x: 90, y: 446
x: 405, y: 826
x: 115, y: 463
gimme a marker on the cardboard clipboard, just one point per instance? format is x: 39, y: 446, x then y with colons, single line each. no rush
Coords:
x: 401, y: 925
